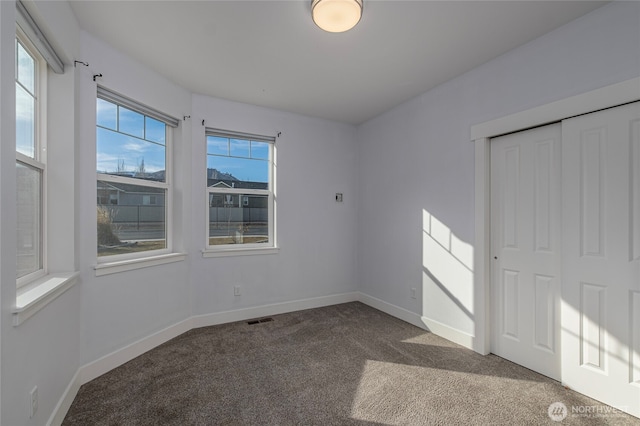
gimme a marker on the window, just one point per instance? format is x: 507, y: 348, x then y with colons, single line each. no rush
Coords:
x: 239, y: 190
x: 133, y: 143
x: 30, y: 74
x: 40, y: 173
x: 148, y: 200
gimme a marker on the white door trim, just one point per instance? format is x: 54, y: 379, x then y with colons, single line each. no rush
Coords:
x: 605, y: 97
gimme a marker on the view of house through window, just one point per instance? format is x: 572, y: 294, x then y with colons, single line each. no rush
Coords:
x: 30, y: 166
x: 239, y: 189
x: 132, y: 183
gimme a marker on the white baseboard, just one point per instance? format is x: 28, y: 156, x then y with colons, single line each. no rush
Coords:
x: 65, y: 402
x: 273, y: 309
x: 452, y: 334
x: 116, y: 358
x: 393, y: 310
x: 425, y: 323
x: 102, y: 365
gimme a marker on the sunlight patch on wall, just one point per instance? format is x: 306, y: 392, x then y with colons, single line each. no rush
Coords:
x: 447, y: 263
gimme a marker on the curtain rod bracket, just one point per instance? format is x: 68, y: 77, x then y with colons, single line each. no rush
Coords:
x: 75, y: 63
x: 96, y: 76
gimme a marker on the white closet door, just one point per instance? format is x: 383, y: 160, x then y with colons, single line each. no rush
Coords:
x: 601, y: 256
x: 526, y: 251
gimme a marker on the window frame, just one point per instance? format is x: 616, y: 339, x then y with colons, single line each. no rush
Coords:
x: 248, y: 248
x: 167, y: 185
x: 39, y: 160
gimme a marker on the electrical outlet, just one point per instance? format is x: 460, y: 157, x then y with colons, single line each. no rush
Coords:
x: 33, y: 401
x: 413, y: 293
x: 338, y: 197
x: 237, y: 291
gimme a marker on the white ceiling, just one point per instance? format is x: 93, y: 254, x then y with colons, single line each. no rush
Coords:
x: 270, y: 53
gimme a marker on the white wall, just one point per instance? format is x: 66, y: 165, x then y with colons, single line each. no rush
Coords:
x: 122, y: 308
x: 316, y: 158
x: 317, y: 236
x: 418, y: 159
x: 44, y: 350
x: 394, y: 171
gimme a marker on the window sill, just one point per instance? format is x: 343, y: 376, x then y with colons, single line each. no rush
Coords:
x: 128, y: 265
x: 35, y: 296
x: 239, y: 252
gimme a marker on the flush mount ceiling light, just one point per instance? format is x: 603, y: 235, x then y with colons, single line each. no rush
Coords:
x: 336, y: 16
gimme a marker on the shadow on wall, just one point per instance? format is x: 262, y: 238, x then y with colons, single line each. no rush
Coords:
x: 447, y: 269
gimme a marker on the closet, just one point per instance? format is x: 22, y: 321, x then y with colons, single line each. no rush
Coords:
x: 565, y: 250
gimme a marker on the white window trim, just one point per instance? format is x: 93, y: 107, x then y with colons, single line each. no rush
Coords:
x: 107, y: 268
x: 39, y: 293
x: 226, y: 250
x: 36, y: 290
x: 130, y: 261
x: 31, y: 30
x: 40, y: 151
x: 244, y: 251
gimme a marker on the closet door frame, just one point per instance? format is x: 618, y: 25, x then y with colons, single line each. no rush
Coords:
x: 481, y: 134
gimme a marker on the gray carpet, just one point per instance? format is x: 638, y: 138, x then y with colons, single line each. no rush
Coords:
x: 347, y: 364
